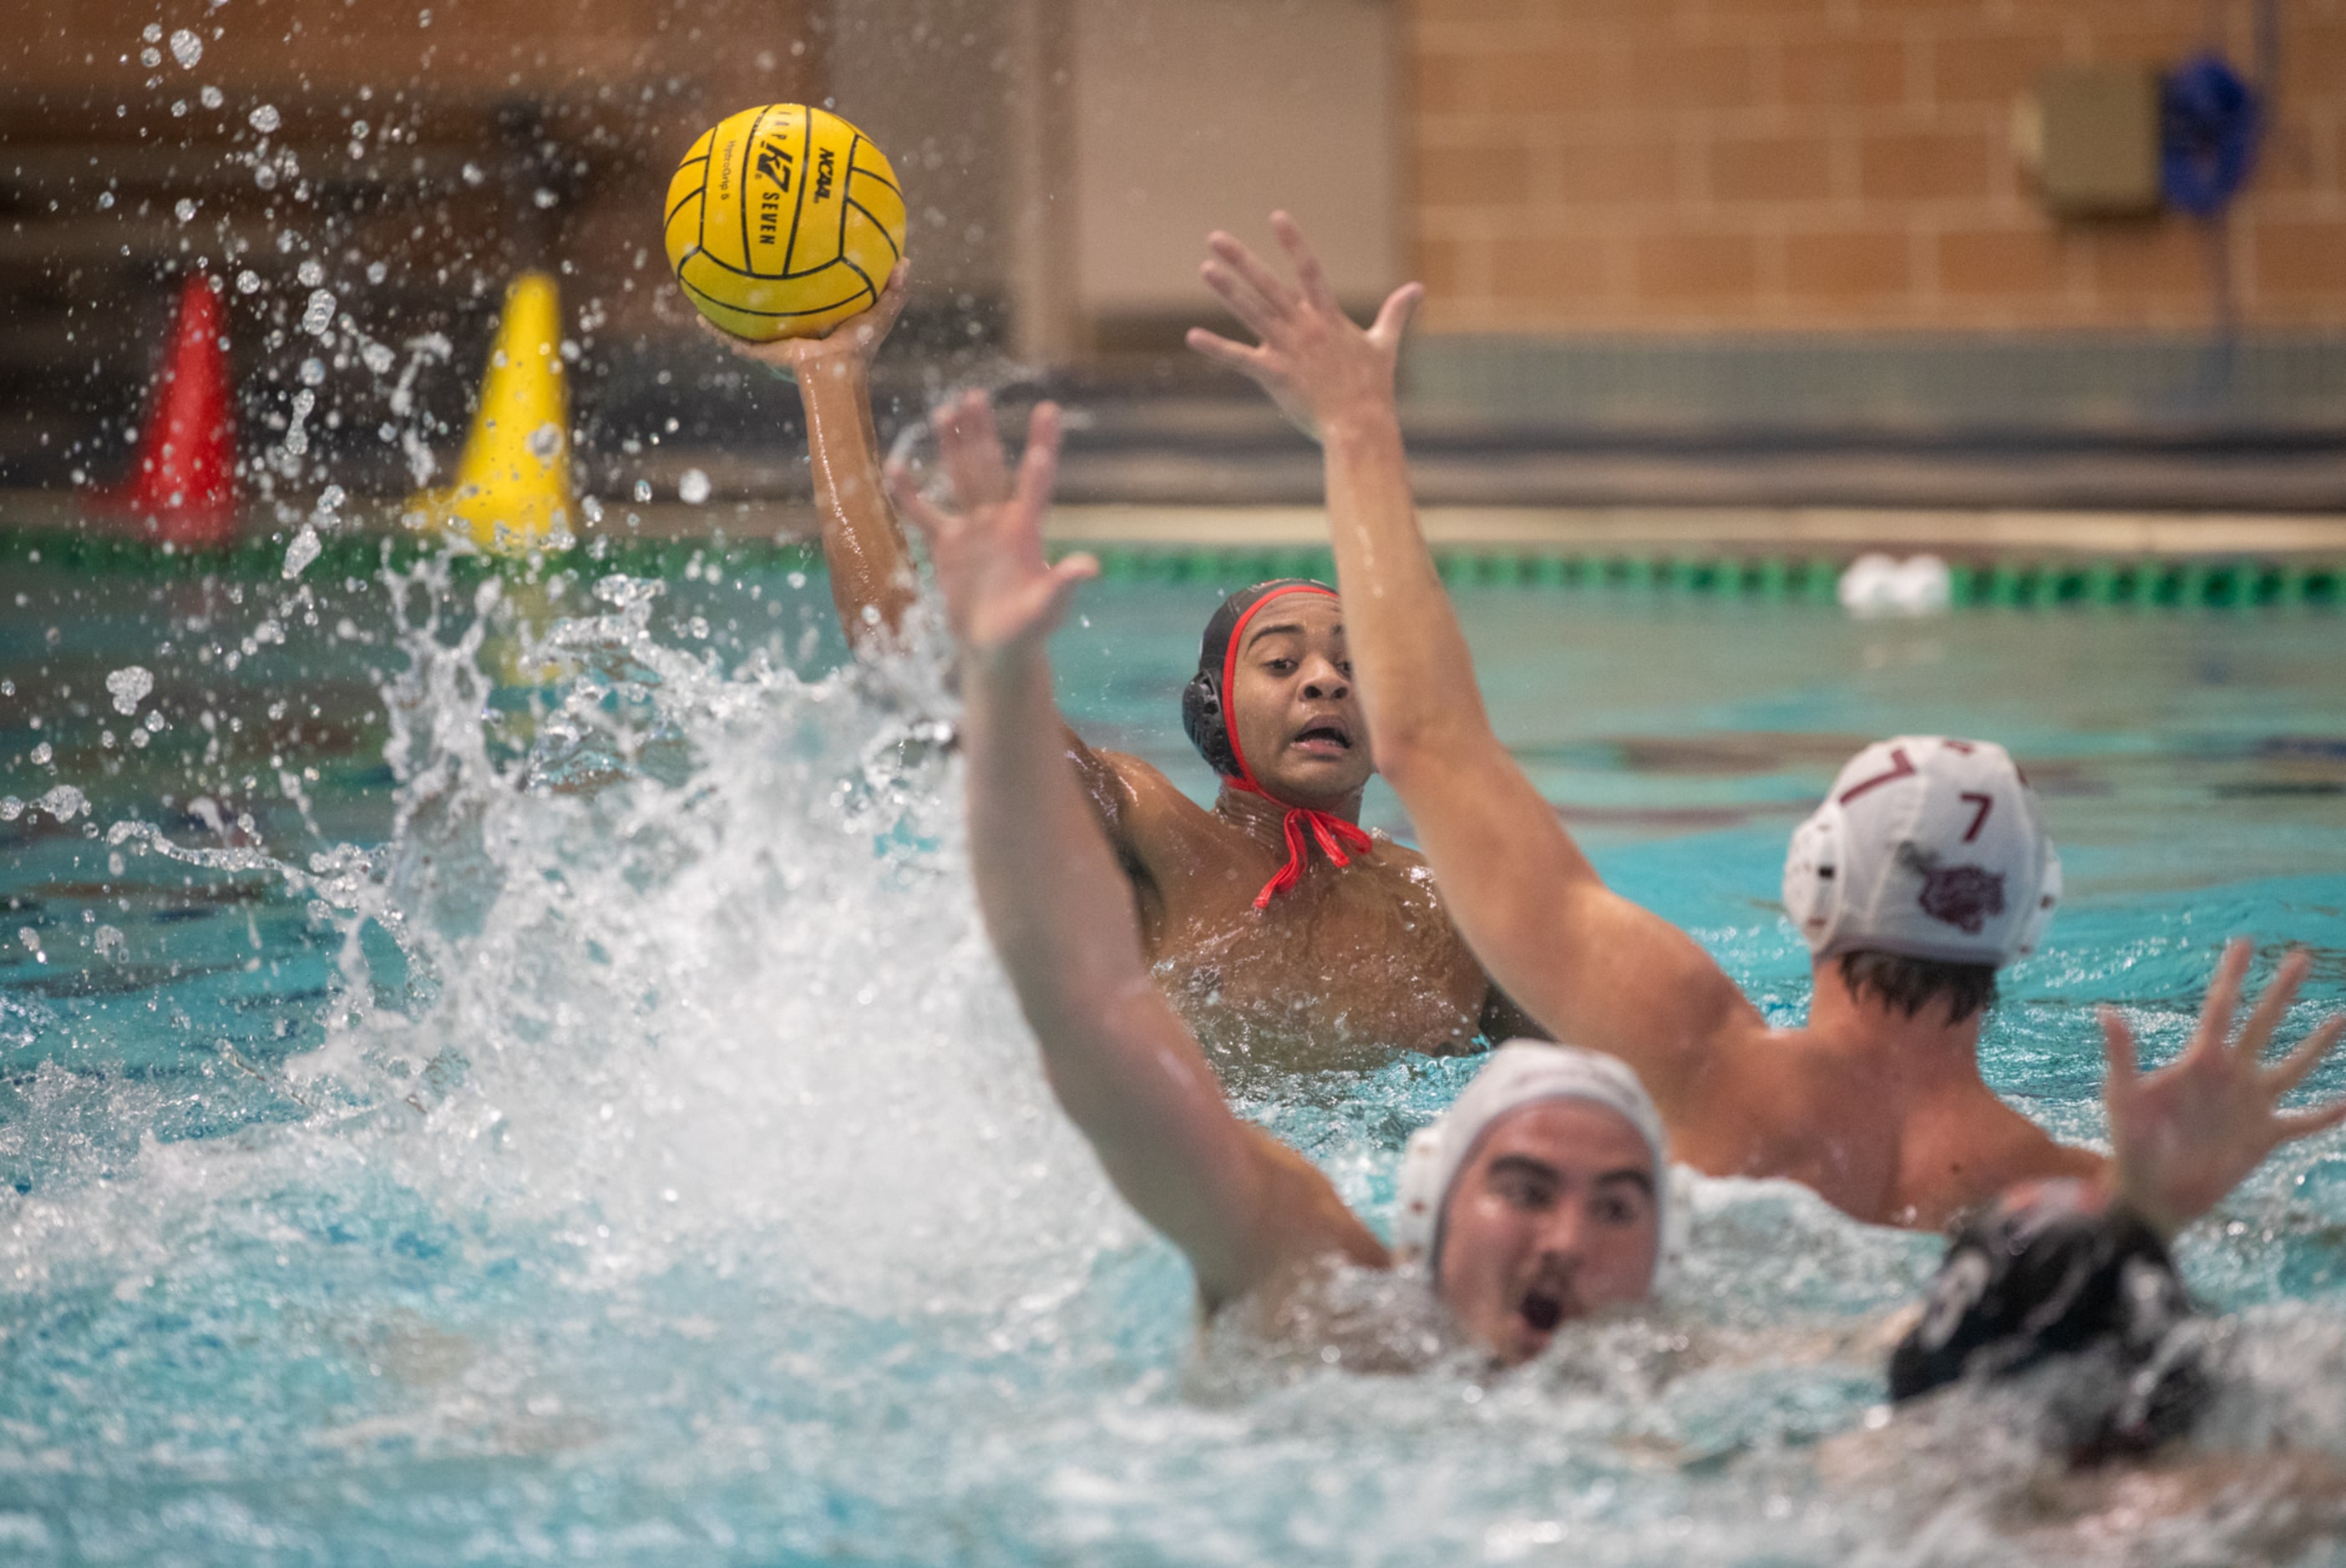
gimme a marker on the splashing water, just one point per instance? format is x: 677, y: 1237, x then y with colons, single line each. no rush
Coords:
x: 655, y: 1164
x: 129, y: 685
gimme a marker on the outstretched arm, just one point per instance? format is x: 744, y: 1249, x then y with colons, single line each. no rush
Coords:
x: 872, y: 579
x: 1594, y: 968
x: 970, y: 448
x: 2187, y: 1135
x: 1240, y: 1204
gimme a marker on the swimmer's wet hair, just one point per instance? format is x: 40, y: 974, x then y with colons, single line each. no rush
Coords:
x: 1910, y: 984
x: 2054, y: 1273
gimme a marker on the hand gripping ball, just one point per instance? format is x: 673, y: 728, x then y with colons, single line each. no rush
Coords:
x: 783, y: 221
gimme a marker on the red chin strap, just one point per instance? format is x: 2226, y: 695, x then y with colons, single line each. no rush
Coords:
x: 1304, y: 825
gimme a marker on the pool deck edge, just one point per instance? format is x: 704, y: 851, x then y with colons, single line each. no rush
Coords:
x: 1964, y: 534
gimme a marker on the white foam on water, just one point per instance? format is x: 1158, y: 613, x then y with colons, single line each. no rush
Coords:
x: 666, y: 1043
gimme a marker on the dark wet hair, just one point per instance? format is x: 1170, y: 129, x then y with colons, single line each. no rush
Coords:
x: 1204, y: 713
x: 1910, y: 984
x: 2049, y: 1272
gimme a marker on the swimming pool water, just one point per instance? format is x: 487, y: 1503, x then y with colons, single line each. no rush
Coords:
x: 510, y: 1074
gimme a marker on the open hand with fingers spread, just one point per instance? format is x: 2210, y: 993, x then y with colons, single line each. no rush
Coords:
x: 847, y: 349
x: 999, y: 591
x: 2187, y: 1135
x: 1314, y: 362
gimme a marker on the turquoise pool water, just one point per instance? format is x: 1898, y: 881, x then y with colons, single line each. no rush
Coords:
x: 501, y: 1076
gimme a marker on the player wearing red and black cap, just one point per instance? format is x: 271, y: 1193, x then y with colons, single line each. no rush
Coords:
x: 1285, y: 934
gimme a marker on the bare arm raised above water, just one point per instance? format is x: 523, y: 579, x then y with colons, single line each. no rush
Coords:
x: 979, y: 472
x: 1595, y: 968
x: 1242, y: 1206
x: 872, y: 579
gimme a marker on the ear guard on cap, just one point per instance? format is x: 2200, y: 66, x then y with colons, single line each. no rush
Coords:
x: 1420, y: 1195
x: 1208, y: 727
x: 2048, y: 899
x: 1815, y: 886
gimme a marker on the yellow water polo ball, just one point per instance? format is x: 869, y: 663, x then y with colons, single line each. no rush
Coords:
x: 783, y: 221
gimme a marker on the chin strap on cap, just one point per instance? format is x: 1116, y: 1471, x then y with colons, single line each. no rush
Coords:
x: 1303, y: 825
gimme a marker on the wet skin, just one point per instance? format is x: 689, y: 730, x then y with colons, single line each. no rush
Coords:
x: 1350, y: 964
x: 1551, y: 1218
x: 1344, y: 970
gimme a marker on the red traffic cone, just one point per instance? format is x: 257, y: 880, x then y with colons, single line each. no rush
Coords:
x: 182, y: 483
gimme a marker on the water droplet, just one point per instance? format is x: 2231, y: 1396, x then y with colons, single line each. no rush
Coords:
x: 379, y: 358
x: 545, y: 443
x: 474, y: 174
x: 41, y: 755
x: 152, y: 31
x: 692, y: 489
x: 304, y: 549
x: 109, y: 940
x: 184, y: 209
x: 247, y: 282
x: 10, y: 807
x: 63, y: 802
x: 129, y: 685
x: 643, y: 490
x: 105, y: 199
x: 150, y: 57
x: 377, y: 271
x: 318, y: 315
x: 212, y: 97
x: 263, y: 119
x: 311, y: 273
x: 187, y: 48
x: 313, y: 372
x: 544, y: 198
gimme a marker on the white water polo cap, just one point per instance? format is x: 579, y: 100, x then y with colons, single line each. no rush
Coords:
x: 1929, y: 848
x: 1520, y: 1073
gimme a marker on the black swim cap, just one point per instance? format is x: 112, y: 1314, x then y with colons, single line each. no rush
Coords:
x: 1202, y: 707
x: 2046, y: 1272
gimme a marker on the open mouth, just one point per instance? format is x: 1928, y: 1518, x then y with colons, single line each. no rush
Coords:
x: 1541, y: 1312
x: 1327, y: 738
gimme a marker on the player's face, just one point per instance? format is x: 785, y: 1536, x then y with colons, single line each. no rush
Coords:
x: 1293, y: 701
x: 1551, y: 1218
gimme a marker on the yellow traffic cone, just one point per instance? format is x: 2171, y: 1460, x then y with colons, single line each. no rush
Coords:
x: 513, y: 483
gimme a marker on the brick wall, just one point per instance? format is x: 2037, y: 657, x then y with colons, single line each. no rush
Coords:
x: 1839, y: 165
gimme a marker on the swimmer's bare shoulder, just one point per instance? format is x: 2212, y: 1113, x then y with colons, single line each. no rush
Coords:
x: 1146, y: 816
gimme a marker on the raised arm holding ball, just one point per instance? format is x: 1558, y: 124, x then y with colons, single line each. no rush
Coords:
x: 1285, y: 934
x: 1924, y: 870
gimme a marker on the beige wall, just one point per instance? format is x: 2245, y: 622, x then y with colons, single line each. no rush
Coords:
x: 1191, y: 115
x: 1697, y: 164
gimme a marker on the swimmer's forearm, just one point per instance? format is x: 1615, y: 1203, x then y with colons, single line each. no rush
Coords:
x: 1060, y: 913
x: 1417, y: 679
x: 1588, y: 965
x: 1427, y: 724
x: 872, y: 579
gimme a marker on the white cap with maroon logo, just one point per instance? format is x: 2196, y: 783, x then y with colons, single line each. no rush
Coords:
x: 1927, y: 847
